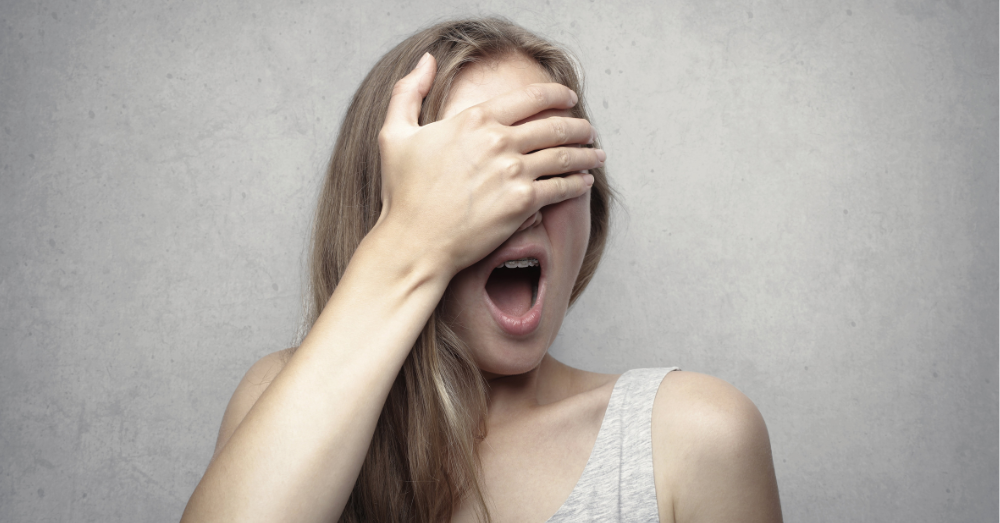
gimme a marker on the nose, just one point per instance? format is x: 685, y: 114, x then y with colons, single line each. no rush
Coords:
x: 533, y: 221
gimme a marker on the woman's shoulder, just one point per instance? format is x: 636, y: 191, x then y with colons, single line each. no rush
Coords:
x: 706, y: 401
x: 711, y: 451
x: 254, y: 383
x: 260, y: 375
x: 265, y: 369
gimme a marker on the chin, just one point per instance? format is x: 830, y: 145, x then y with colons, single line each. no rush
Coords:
x: 509, y: 358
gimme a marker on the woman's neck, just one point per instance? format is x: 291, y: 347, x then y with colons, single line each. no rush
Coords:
x: 547, y: 383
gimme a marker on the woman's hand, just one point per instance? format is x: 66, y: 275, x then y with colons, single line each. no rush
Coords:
x: 457, y: 188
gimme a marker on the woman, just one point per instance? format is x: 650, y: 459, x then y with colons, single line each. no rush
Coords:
x: 465, y: 208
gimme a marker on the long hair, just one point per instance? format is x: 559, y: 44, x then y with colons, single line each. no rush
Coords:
x: 423, y: 456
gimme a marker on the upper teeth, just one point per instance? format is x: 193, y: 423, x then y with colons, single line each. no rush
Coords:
x: 516, y: 264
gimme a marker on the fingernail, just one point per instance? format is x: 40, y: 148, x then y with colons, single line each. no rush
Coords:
x: 601, y: 155
x: 574, y: 97
x: 593, y: 135
x: 423, y: 59
x: 588, y: 180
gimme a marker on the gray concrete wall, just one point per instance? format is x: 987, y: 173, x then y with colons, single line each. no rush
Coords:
x: 811, y: 195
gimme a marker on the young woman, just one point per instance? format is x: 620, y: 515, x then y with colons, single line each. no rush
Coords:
x: 465, y: 208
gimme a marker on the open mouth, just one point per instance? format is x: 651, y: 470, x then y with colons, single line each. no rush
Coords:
x: 513, y: 286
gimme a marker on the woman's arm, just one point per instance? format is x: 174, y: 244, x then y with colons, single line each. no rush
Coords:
x: 253, y: 384
x: 711, y: 454
x: 450, y: 196
x: 296, y: 454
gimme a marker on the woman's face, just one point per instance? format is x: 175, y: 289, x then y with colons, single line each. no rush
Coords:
x: 510, y: 316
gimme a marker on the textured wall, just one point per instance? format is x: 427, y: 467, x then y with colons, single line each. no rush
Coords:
x: 811, y: 195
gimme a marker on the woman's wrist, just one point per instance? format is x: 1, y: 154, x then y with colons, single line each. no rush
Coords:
x: 404, y: 259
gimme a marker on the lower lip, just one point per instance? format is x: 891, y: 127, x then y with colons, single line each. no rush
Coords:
x: 522, y: 325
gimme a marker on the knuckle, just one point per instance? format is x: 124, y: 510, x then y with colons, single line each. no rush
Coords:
x: 513, y: 167
x: 401, y: 86
x: 476, y: 116
x: 384, y: 138
x: 522, y: 197
x: 537, y: 94
x: 497, y: 141
x: 559, y: 129
x: 564, y: 159
x: 561, y: 185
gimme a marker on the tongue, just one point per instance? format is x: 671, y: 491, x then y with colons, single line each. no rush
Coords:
x: 510, y: 290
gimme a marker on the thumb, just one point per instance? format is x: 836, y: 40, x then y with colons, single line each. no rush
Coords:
x: 409, y: 92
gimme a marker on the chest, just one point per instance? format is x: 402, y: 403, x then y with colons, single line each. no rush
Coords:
x: 531, y: 465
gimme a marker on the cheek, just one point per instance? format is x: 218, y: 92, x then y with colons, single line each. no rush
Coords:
x: 568, y: 225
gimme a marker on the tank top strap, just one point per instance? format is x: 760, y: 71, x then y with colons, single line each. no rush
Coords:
x: 617, y: 482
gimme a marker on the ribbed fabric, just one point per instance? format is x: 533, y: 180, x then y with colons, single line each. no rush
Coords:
x: 617, y: 483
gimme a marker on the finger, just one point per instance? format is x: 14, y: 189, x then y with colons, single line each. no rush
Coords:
x: 521, y: 103
x: 547, y: 114
x: 552, y: 132
x: 532, y: 220
x: 409, y: 92
x: 561, y: 160
x: 561, y: 188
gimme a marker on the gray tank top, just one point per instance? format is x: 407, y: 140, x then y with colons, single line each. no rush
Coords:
x: 617, y: 483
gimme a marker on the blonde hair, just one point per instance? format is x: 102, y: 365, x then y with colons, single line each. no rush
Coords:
x: 423, y: 456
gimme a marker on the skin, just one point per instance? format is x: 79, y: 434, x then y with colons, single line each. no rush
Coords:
x: 561, y: 230
x: 296, y: 430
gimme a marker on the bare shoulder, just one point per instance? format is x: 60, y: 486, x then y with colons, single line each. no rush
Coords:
x: 711, y: 453
x: 690, y: 401
x: 253, y: 384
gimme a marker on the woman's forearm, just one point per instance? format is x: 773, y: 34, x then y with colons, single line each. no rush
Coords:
x: 297, y: 453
